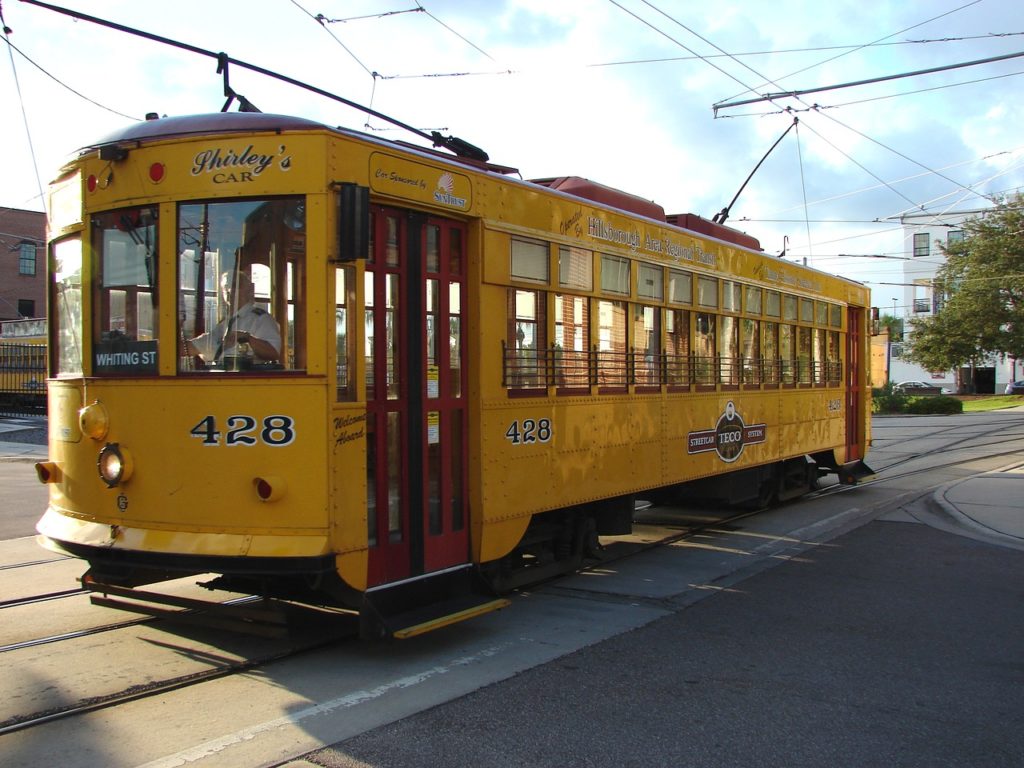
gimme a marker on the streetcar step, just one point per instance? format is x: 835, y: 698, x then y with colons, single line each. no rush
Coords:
x: 425, y: 603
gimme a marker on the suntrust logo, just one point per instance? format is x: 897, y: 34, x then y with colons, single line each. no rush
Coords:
x: 729, y: 436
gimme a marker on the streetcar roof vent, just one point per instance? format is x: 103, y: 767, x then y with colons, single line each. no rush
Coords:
x: 695, y: 223
x: 599, y: 193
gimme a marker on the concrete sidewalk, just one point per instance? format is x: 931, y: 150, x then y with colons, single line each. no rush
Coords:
x: 991, y: 503
x: 30, y: 443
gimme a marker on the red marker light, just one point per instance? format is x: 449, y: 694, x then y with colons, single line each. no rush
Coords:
x: 156, y: 172
x: 91, y: 183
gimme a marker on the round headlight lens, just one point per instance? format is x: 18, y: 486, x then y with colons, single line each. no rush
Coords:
x: 114, y: 464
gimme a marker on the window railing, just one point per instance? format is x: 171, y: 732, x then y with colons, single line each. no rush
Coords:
x: 536, y: 370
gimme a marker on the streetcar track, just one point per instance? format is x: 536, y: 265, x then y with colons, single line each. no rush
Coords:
x: 30, y: 563
x: 73, y: 635
x: 43, y: 598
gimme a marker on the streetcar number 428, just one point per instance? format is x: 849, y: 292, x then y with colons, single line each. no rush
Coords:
x: 275, y: 430
x: 529, y: 431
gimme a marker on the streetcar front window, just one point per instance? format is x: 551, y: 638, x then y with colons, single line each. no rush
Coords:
x: 67, y: 307
x: 241, y: 266
x: 124, y: 317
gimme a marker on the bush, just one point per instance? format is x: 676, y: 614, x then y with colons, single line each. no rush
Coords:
x: 939, y: 404
x: 887, y: 400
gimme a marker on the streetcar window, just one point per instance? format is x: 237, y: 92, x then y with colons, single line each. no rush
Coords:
x: 820, y: 355
x: 835, y: 315
x: 705, y: 368
x: 787, y: 354
x: 677, y: 346
x: 650, y: 282
x: 343, y: 284
x: 729, y: 352
x: 752, y: 300
x: 820, y: 313
x: 680, y: 287
x: 804, y: 354
x: 806, y: 311
x: 773, y: 303
x: 67, y: 306
x: 707, y: 291
x: 241, y: 267
x: 833, y: 355
x: 525, y: 349
x: 572, y: 341
x: 611, y: 344
x: 750, y: 351
x: 770, y: 350
x: 576, y: 268
x: 646, y: 345
x: 614, y: 274
x: 789, y: 308
x: 530, y: 260
x: 124, y: 329
x: 731, y: 296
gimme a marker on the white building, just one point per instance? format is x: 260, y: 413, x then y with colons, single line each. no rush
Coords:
x: 923, y: 234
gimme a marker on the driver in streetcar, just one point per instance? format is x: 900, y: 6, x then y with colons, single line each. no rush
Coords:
x: 246, y: 330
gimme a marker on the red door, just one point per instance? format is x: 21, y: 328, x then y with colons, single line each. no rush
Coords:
x: 854, y: 364
x: 416, y: 389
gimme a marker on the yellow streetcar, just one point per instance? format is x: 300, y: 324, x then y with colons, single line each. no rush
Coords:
x: 361, y: 374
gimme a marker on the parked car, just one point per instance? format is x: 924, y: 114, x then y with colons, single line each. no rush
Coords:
x: 917, y: 388
x: 1014, y: 388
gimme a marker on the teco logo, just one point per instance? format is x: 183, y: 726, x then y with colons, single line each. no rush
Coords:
x: 729, y: 436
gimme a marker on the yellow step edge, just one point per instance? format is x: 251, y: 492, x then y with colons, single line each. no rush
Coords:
x: 453, y: 618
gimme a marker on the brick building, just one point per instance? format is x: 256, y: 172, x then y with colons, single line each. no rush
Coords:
x: 22, y: 264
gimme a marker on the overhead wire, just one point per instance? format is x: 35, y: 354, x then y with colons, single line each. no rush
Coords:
x: 866, y: 45
x: 7, y: 31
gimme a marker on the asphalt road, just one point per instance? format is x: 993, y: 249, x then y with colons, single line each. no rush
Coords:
x: 894, y: 645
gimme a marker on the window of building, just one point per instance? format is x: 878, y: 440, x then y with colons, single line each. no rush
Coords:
x: 955, y: 236
x: 922, y: 245
x: 26, y: 308
x: 27, y: 259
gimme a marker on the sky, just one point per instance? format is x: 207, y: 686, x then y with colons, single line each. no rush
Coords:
x: 622, y: 92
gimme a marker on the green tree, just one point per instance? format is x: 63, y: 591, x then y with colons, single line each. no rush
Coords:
x: 981, y: 290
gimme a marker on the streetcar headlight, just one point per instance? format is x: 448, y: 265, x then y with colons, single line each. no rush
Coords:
x: 115, y: 464
x: 94, y: 421
x: 269, y: 487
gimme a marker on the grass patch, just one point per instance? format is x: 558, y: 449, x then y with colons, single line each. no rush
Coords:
x: 982, y: 403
